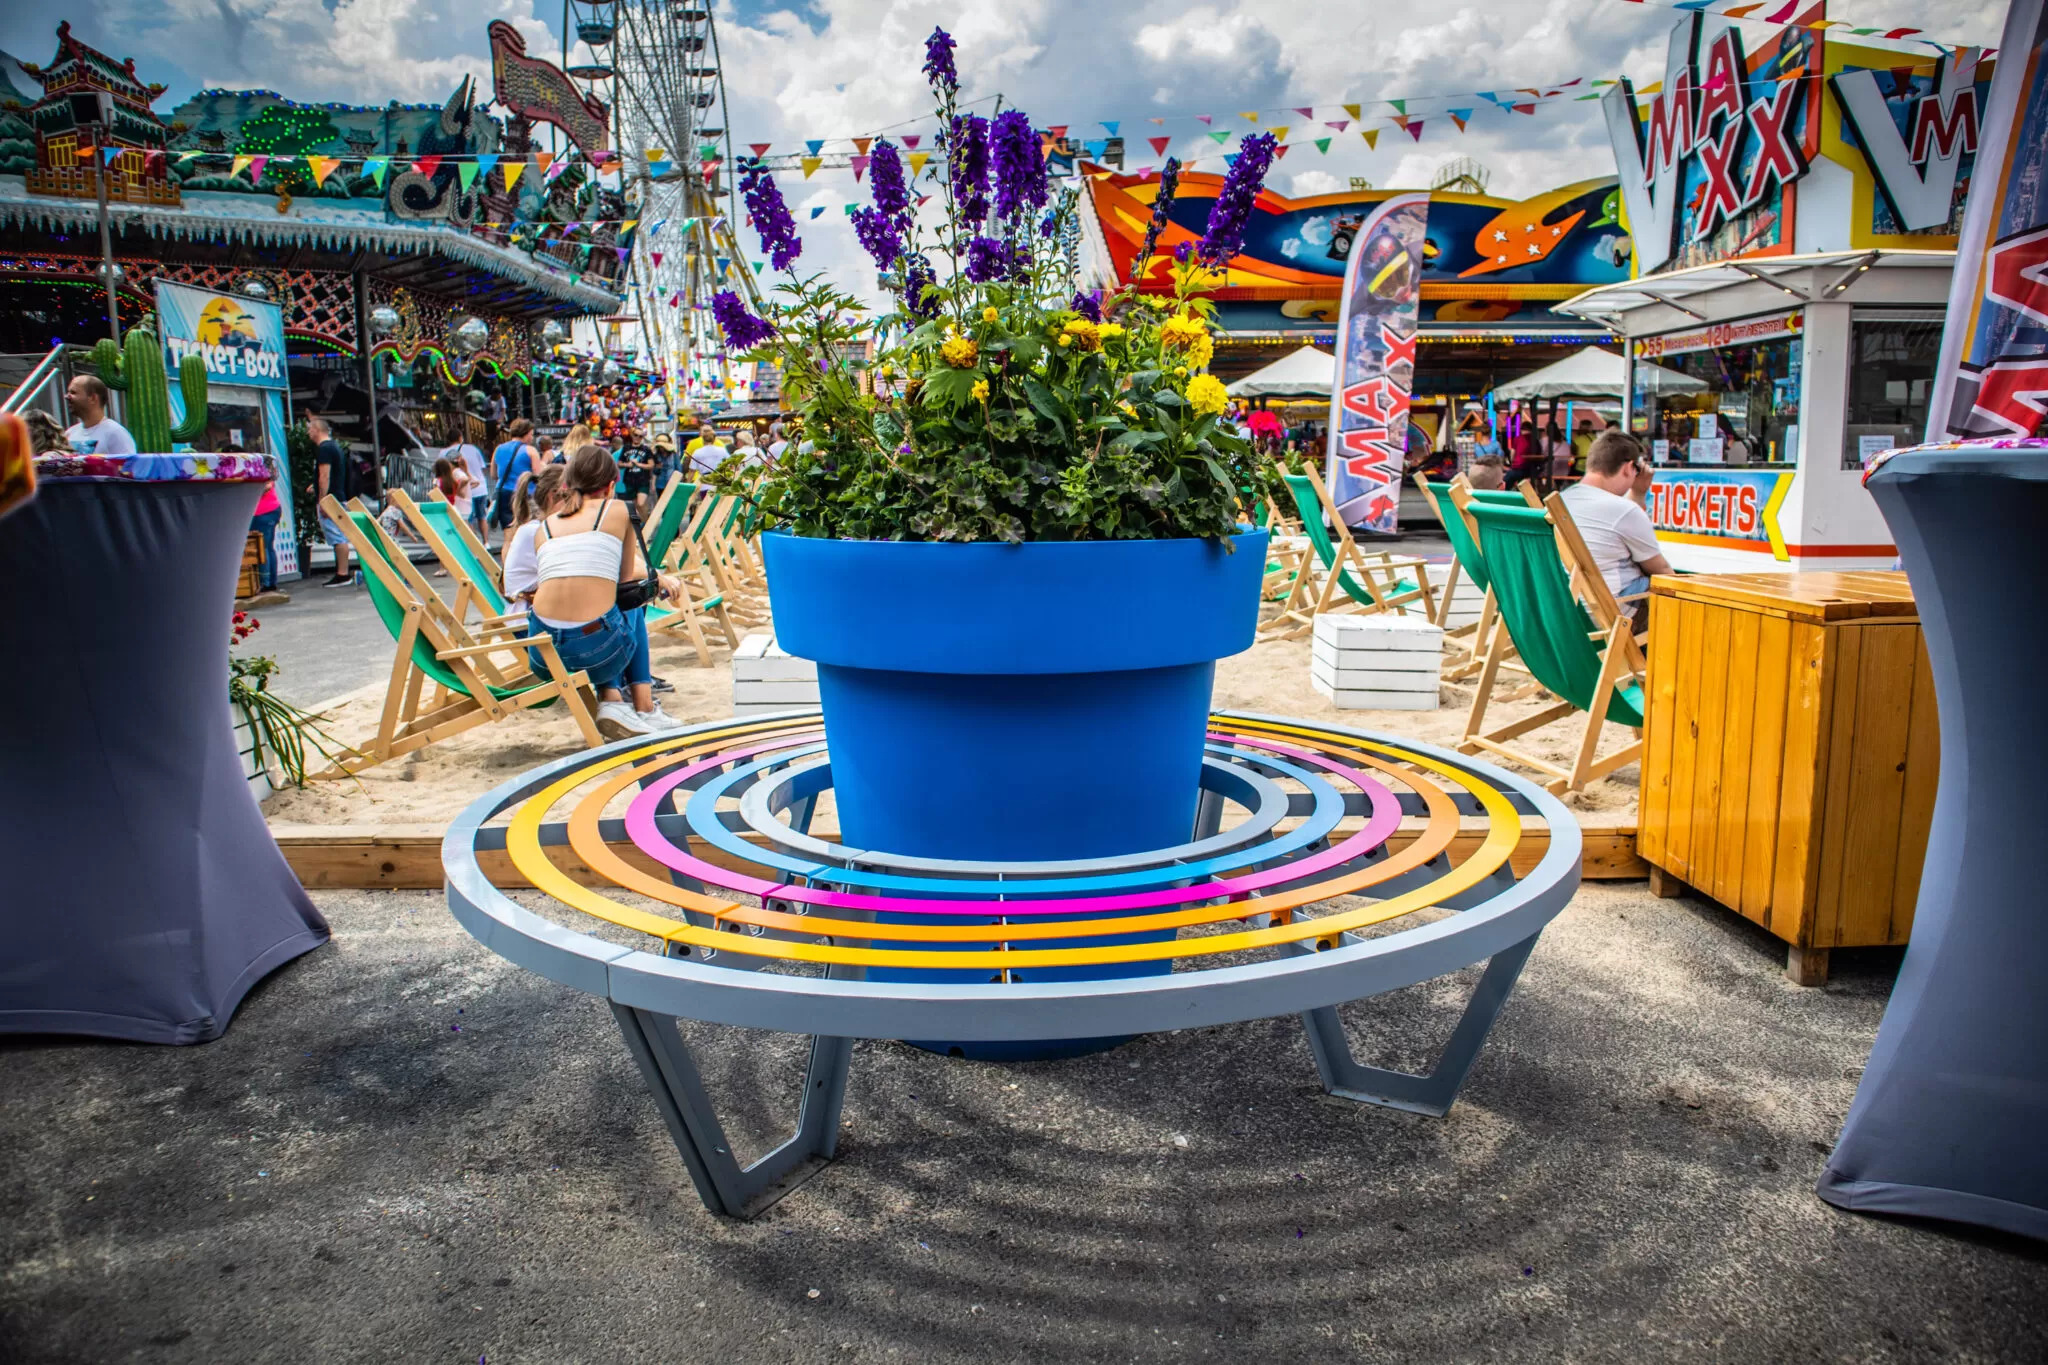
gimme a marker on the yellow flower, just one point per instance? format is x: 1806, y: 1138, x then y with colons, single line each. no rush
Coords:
x: 1128, y: 410
x: 1110, y: 331
x: 988, y: 315
x: 960, y: 352
x: 1066, y: 340
x: 1086, y: 335
x: 1185, y: 332
x: 1180, y: 372
x: 1207, y: 395
x: 888, y: 371
x: 980, y: 391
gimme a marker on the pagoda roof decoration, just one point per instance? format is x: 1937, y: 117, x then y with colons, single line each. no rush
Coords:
x: 78, y: 63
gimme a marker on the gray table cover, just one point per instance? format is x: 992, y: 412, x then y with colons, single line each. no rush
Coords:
x: 1951, y: 1118
x: 143, y: 895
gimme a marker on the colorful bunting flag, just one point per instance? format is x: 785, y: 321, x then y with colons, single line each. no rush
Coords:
x: 1280, y: 152
x: 465, y: 174
x: 815, y: 146
x: 513, y: 170
x: 810, y: 164
x: 1280, y: 134
x: 322, y: 167
x: 486, y: 162
x: 1159, y: 145
x: 1221, y: 137
x: 1371, y: 136
x: 1111, y: 124
x: 1352, y: 109
x: 861, y: 144
x: 1306, y: 111
x: 426, y: 166
x: 860, y: 167
x: 1248, y: 115
x: 917, y: 160
x: 1323, y: 146
x: 1415, y: 130
x: 1460, y: 117
x: 1340, y: 125
x: 816, y: 209
x: 759, y: 149
x: 543, y: 162
x: 1400, y: 106
x: 375, y: 167
x: 1206, y: 119
x: 911, y: 140
x: 241, y: 162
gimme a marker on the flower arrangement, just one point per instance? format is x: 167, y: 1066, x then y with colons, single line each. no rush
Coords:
x: 997, y: 404
x: 280, y: 729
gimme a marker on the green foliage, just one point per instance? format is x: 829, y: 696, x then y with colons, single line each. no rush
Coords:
x: 136, y: 368
x: 300, y: 458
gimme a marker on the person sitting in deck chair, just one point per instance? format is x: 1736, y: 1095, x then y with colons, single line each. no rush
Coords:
x: 1614, y: 525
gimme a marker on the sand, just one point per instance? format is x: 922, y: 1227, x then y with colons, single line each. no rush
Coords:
x: 432, y: 785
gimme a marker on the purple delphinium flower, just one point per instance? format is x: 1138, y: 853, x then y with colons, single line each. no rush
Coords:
x: 1184, y: 253
x: 938, y: 61
x: 917, y: 276
x: 891, y: 191
x: 988, y: 260
x: 1088, y: 305
x: 1019, y: 164
x: 771, y: 218
x: 743, y: 331
x: 1233, y: 207
x: 1162, y: 203
x: 968, y: 157
x: 878, y: 235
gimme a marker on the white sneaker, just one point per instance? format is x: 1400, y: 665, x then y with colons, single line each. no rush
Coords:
x: 658, y: 719
x: 618, y: 720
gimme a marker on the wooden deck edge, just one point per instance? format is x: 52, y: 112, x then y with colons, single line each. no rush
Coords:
x: 408, y: 857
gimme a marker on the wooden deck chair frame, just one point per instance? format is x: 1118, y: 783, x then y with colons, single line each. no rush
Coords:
x: 1621, y: 663
x: 1377, y: 577
x: 684, y: 614
x: 467, y: 532
x: 1449, y: 591
x: 1462, y: 495
x: 708, y: 547
x: 483, y: 691
x: 1284, y: 563
x: 468, y: 592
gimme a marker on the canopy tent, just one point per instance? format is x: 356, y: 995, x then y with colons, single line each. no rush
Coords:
x: 1594, y: 373
x: 1306, y: 373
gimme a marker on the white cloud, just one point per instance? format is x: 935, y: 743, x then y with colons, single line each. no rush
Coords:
x: 1306, y: 183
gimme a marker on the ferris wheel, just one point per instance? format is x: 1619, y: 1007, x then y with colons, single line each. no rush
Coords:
x: 655, y: 63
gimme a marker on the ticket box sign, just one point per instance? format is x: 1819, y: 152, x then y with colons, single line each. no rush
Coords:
x: 1732, y: 508
x: 240, y: 339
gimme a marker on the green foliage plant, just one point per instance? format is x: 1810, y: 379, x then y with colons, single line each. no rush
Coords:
x: 1004, y: 408
x: 136, y: 368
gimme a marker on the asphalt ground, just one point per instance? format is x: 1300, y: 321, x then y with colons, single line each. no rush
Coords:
x: 406, y: 1149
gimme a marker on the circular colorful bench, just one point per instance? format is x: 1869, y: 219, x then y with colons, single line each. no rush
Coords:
x: 1351, y: 864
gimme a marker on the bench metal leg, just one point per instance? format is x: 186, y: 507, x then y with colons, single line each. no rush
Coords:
x: 727, y: 1187
x: 1434, y: 1093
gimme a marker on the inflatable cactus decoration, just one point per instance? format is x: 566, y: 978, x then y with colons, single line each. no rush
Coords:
x: 136, y: 367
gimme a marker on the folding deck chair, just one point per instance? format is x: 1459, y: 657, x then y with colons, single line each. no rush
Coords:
x: 471, y: 685
x: 1353, y: 580
x: 1591, y: 661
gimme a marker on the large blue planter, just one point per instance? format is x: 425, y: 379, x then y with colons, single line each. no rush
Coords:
x: 1014, y: 703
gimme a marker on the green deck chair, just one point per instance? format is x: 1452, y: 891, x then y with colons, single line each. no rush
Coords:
x: 1371, y: 583
x: 1595, y: 667
x: 444, y: 533
x: 434, y: 647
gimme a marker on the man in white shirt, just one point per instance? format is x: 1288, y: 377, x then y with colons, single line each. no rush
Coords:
x: 1612, y: 522
x: 95, y: 433
x: 706, y: 452
x: 472, y: 458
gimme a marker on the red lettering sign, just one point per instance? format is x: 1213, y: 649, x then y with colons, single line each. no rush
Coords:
x: 1721, y: 91
x: 1671, y: 123
x: 1720, y: 200
x: 2019, y: 274
x: 1400, y: 350
x: 1939, y: 132
x: 1779, y: 156
x: 2014, y: 394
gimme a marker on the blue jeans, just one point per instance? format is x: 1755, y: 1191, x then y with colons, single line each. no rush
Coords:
x: 265, y: 525
x: 614, y: 656
x: 502, y: 512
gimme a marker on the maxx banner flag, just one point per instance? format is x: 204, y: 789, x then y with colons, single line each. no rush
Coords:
x: 1993, y: 377
x: 1375, y: 370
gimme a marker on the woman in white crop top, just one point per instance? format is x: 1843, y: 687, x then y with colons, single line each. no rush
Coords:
x: 584, y: 548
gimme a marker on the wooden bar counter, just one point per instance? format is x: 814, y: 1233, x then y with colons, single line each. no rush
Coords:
x: 1790, y: 754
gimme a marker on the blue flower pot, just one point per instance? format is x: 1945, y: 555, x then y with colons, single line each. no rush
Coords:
x: 1011, y: 703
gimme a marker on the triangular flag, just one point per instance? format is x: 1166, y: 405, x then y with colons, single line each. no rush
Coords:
x: 810, y: 164
x: 861, y: 144
x: 513, y: 170
x: 917, y: 160
x: 1460, y: 117
x: 1415, y: 130
x: 241, y: 163
x: 1525, y: 108
x: 1159, y: 121
x: 758, y: 265
x: 107, y: 154
x: 860, y: 167
x: 1306, y: 111
x: 375, y: 167
x: 654, y: 256
x: 1352, y: 109
x: 814, y: 147
x: 1221, y: 137
x: 1230, y: 158
x: 1096, y: 147
x: 1111, y: 124
x: 1340, y: 125
x: 923, y: 199
x: 1323, y: 146
x: 465, y: 174
x: 1280, y: 134
x: 427, y: 165
x: 816, y: 209
x: 911, y: 140
x: 1400, y: 106
x: 1056, y: 129
x: 184, y: 157
x: 544, y: 161
x: 1249, y: 115
x: 624, y: 252
x: 1159, y: 145
x: 485, y: 162
x: 759, y: 149
x: 322, y: 167
x: 256, y: 165
x: 1205, y: 118
x: 1282, y: 150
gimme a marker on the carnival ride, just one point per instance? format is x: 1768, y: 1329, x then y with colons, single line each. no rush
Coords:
x: 1326, y: 865
x: 655, y: 65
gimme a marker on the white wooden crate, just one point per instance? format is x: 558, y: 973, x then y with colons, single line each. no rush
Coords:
x: 765, y: 678
x: 1380, y: 662
x: 1379, y: 633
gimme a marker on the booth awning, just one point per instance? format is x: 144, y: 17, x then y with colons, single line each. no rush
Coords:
x: 1306, y: 373
x: 1594, y: 373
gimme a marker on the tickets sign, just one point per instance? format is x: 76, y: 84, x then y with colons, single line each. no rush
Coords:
x: 1721, y: 505
x: 240, y: 339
